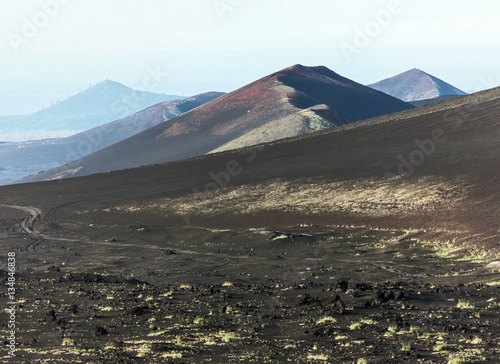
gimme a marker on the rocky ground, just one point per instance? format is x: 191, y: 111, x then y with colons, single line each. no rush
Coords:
x: 141, y: 294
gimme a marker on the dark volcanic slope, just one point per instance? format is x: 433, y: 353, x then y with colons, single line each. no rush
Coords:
x: 415, y: 85
x: 288, y: 103
x: 30, y: 158
x: 433, y: 100
x: 435, y: 168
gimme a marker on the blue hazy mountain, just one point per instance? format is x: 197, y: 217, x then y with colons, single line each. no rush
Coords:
x: 102, y: 103
x: 416, y: 85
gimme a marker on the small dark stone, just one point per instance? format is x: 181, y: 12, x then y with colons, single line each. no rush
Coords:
x: 51, y: 316
x: 363, y: 286
x: 307, y: 299
x: 334, y: 303
x: 73, y: 309
x: 342, y: 285
x: 87, y: 278
x: 99, y: 331
x: 31, y: 342
x: 136, y: 311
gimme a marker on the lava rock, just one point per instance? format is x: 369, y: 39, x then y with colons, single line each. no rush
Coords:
x: 334, y: 303
x: 51, y: 316
x: 99, y: 331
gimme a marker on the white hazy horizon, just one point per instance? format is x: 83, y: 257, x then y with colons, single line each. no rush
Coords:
x: 50, y: 49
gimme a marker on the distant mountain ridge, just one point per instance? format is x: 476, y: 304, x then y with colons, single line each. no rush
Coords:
x: 28, y: 158
x: 416, y: 85
x: 102, y: 103
x: 288, y: 103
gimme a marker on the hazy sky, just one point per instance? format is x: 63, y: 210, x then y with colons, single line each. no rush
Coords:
x: 52, y: 48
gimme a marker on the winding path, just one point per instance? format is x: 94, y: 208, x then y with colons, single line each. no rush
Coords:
x: 26, y: 225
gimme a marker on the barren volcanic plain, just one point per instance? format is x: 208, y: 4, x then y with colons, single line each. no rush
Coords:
x: 374, y: 242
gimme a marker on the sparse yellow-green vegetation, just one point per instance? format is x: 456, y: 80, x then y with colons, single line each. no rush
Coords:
x: 230, y: 338
x: 143, y: 350
x: 355, y: 326
x: 317, y: 357
x: 172, y: 355
x: 460, y: 358
x: 476, y: 256
x: 326, y: 320
x: 199, y: 320
x: 476, y: 340
x: 465, y: 304
x: 392, y: 328
x: 495, y: 283
x: 451, y: 249
x: 68, y: 342
x: 440, y: 347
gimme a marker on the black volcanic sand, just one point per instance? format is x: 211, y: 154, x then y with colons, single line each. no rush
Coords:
x: 142, y: 294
